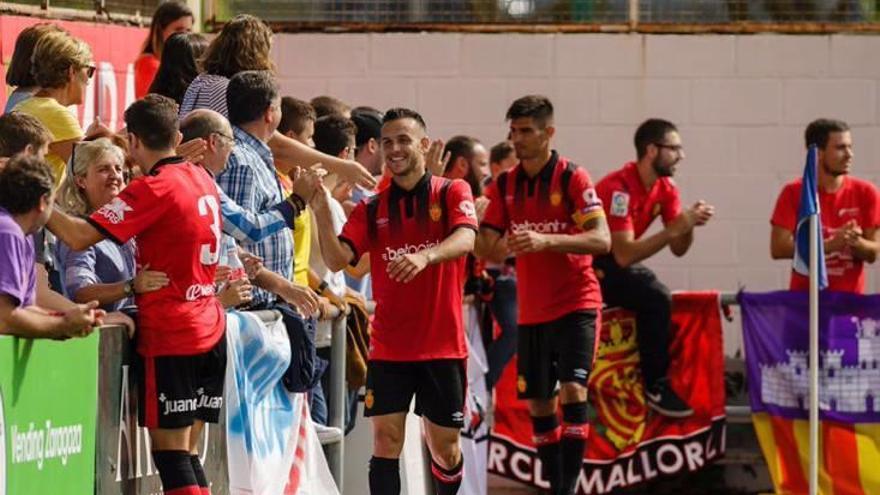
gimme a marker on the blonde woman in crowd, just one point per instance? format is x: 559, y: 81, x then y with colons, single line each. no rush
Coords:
x: 106, y: 271
x: 62, y: 67
x: 18, y: 74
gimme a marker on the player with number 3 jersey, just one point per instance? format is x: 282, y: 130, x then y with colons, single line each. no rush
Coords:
x: 174, y: 210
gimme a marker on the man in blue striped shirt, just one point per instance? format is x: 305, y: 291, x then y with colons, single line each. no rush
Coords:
x: 243, y: 225
x: 250, y: 180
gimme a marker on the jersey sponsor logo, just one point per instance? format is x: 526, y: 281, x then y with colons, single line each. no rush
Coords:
x: 382, y: 222
x: 189, y: 405
x: 552, y: 227
x: 847, y: 212
x: 467, y: 207
x: 555, y: 198
x: 619, y: 204
x: 198, y: 291
x: 392, y: 254
x: 114, y: 211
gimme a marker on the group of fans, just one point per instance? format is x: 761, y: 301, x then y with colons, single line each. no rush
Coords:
x: 221, y: 195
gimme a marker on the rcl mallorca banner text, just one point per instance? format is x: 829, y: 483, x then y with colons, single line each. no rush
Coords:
x: 629, y: 444
x: 114, y: 49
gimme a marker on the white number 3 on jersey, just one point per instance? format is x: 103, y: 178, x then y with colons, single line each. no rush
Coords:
x: 210, y: 255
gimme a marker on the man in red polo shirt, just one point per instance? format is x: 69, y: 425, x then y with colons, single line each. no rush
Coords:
x: 417, y: 232
x: 849, y: 208
x: 633, y: 197
x: 174, y: 211
x: 546, y: 212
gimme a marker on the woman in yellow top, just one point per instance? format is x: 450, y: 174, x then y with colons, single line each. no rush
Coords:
x: 62, y: 67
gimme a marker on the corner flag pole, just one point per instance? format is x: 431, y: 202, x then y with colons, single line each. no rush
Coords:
x: 814, y: 355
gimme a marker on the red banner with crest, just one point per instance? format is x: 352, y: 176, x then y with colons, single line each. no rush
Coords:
x: 629, y: 444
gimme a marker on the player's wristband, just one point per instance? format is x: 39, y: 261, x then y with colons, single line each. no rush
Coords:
x: 323, y: 287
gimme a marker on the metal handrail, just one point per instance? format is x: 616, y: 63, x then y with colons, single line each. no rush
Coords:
x: 336, y: 403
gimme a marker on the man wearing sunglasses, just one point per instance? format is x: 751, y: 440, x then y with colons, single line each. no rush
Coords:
x: 633, y: 197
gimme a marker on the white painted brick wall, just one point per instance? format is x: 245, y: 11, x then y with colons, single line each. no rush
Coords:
x: 343, y: 55
x: 512, y: 55
x: 782, y: 56
x: 741, y: 103
x: 406, y: 55
x: 599, y: 55
x: 631, y: 101
x: 690, y: 56
x: 855, y: 56
x: 850, y: 100
x: 736, y: 101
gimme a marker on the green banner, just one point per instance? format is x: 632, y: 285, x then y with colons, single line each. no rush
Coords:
x: 48, y: 402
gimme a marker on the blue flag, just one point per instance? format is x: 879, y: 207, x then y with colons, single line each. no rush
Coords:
x: 809, y: 207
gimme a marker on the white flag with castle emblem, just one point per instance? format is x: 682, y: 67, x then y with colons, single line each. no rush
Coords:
x: 271, y: 444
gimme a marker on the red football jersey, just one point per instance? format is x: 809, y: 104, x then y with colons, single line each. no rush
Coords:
x: 175, y: 214
x: 629, y: 207
x: 559, y: 200
x: 420, y: 320
x: 855, y: 200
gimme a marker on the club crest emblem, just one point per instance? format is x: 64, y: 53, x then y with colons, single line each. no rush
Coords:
x: 435, y: 212
x: 621, y: 414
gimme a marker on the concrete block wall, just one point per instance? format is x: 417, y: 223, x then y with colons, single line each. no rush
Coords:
x: 741, y: 103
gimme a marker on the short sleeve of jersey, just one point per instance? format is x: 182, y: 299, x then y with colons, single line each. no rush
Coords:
x: 11, y: 250
x: 354, y: 232
x: 496, y: 214
x: 132, y: 212
x: 671, y: 204
x: 587, y: 204
x: 460, y: 205
x: 872, y: 207
x: 785, y: 212
x: 616, y: 202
